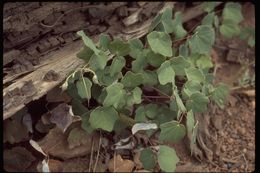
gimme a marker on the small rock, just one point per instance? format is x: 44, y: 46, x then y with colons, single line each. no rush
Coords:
x: 230, y: 140
x: 244, y: 150
x: 221, y: 133
x: 137, y: 161
x: 242, y: 130
x: 118, y: 164
x: 253, y: 104
x: 217, y: 122
x: 250, y: 155
x: 250, y: 145
x: 223, y: 148
x: 229, y: 165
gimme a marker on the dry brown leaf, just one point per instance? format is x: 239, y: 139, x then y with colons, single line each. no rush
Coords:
x: 249, y: 93
x: 76, y: 164
x: 55, y: 144
x: 55, y: 165
x: 77, y: 136
x: 61, y: 116
x: 117, y: 164
x: 137, y: 161
x: 43, y: 128
x: 14, y: 131
x: 253, y: 104
x: 56, y: 95
x: 18, y: 159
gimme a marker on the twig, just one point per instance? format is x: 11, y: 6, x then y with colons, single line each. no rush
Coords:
x: 229, y: 160
x: 160, y: 97
x: 91, y: 155
x: 245, y: 162
x: 161, y: 92
x: 239, y: 87
x: 99, y: 144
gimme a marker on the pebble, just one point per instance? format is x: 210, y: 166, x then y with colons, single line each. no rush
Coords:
x: 229, y: 165
x: 242, y: 130
x: 230, y: 140
x: 244, y: 150
x: 223, y: 148
x: 250, y: 145
x: 221, y: 133
x: 250, y: 155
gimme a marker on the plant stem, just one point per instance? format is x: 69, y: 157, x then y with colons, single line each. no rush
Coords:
x: 161, y: 92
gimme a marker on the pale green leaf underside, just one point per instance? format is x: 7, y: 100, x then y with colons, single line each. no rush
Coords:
x: 167, y: 158
x: 165, y: 73
x: 132, y: 80
x: 202, y: 40
x: 84, y: 88
x: 88, y: 42
x: 160, y: 42
x: 197, y: 102
x: 115, y: 93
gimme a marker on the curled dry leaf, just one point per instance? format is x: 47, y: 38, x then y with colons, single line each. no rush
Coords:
x: 117, y: 164
x: 14, y: 131
x: 36, y: 146
x: 61, y: 116
x: 143, y: 126
x: 18, y: 159
x: 77, y: 137
x: 27, y: 121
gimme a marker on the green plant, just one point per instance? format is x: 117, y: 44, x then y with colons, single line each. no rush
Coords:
x: 164, y: 81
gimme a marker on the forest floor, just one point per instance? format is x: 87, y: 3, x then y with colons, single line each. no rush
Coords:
x: 233, y: 129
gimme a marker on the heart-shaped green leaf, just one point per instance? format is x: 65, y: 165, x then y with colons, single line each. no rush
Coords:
x: 179, y: 64
x: 88, y: 42
x: 165, y: 73
x: 85, y: 54
x: 103, y: 118
x: 167, y: 158
x: 147, y: 158
x: 172, y: 131
x: 232, y: 12
x: 202, y: 40
x: 160, y: 42
x: 104, y: 41
x: 132, y: 80
x: 154, y: 59
x: 219, y: 95
x: 190, y: 121
x: 135, y: 97
x: 178, y: 29
x: 115, y: 93
x: 229, y: 29
x: 98, y: 61
x: 117, y: 64
x: 84, y: 88
x: 208, y: 6
x: 204, y: 62
x: 119, y: 47
x: 197, y: 102
x: 195, y: 74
